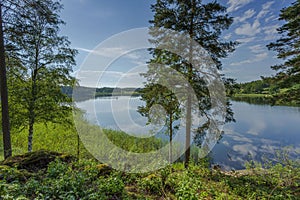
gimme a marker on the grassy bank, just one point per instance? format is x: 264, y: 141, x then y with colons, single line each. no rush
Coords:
x: 253, y: 95
x: 62, y: 138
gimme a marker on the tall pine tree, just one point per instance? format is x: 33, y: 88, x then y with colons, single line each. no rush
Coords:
x: 204, y: 24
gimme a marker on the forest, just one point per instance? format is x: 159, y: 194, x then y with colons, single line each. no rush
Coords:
x: 51, y: 149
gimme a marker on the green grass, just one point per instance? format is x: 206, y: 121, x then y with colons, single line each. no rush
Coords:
x: 61, y: 138
x: 53, y: 137
x: 253, y: 95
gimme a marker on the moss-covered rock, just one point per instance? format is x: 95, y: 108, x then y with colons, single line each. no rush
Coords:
x: 104, y: 169
x: 10, y: 174
x: 36, y: 161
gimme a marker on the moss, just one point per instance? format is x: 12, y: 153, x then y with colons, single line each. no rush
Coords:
x: 104, y: 169
x: 36, y: 161
x: 10, y: 174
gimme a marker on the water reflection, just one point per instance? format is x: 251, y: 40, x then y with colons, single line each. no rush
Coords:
x: 256, y: 100
x: 259, y: 130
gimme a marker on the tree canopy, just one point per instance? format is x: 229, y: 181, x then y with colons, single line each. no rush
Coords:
x: 39, y: 65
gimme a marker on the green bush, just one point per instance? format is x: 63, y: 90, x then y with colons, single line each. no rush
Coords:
x: 111, y: 187
x: 151, y: 184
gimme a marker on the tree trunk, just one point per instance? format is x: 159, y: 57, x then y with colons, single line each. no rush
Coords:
x: 30, y: 131
x: 78, y: 146
x: 189, y: 99
x: 171, y: 138
x: 32, y: 111
x: 4, y: 95
x: 188, y: 131
x: 188, y: 118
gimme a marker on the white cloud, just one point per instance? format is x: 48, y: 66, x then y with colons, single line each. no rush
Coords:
x: 237, y: 4
x: 260, y: 57
x: 257, y: 48
x: 271, y: 32
x: 268, y: 5
x: 249, y: 29
x: 245, y: 149
x: 228, y: 36
x: 109, y: 52
x: 226, y: 143
x: 271, y: 18
x: 246, y: 40
x: 85, y: 50
x: 257, y: 127
x: 257, y: 58
x: 248, y: 14
x: 265, y: 9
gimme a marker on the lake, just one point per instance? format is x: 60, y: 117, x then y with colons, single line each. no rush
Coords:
x: 259, y: 130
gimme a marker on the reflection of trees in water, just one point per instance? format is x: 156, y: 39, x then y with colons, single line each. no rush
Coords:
x: 255, y: 100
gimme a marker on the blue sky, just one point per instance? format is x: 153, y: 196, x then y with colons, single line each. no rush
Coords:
x: 90, y: 22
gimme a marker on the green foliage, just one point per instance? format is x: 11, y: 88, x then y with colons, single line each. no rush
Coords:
x: 133, y: 144
x: 111, y: 187
x: 268, y: 90
x: 84, y: 180
x: 67, y: 181
x: 287, y: 47
x: 39, y: 64
x: 151, y: 184
x: 254, y: 87
x: 280, y: 172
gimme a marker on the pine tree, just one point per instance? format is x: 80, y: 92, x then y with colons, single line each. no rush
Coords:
x: 288, y: 48
x: 204, y: 24
x: 153, y: 95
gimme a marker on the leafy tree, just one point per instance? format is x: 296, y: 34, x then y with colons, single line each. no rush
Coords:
x: 204, y: 24
x: 40, y: 62
x: 288, y: 48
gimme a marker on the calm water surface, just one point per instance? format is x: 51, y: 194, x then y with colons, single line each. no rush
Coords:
x: 259, y: 130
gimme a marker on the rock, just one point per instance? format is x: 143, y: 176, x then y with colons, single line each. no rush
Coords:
x: 104, y: 169
x: 36, y: 161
